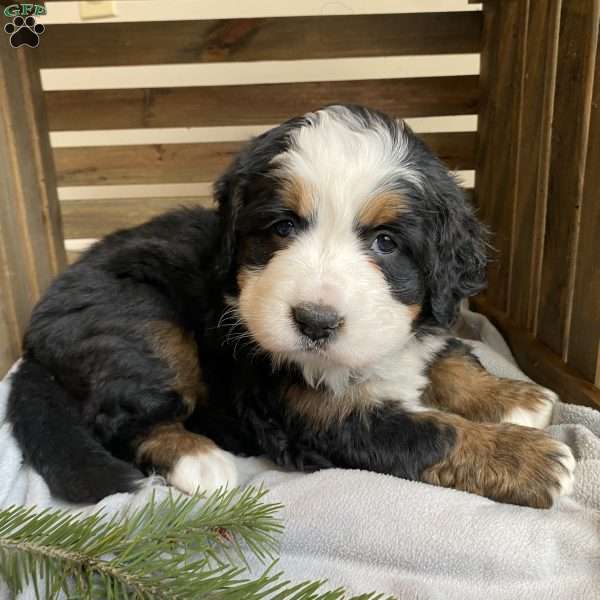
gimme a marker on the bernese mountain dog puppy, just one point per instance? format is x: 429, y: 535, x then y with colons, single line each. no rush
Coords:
x: 306, y: 320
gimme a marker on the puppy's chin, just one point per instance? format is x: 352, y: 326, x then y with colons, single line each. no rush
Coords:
x: 340, y: 353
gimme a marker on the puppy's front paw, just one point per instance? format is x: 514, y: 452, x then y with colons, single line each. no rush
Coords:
x: 541, y: 468
x: 507, y: 463
x: 204, y: 471
x: 536, y: 409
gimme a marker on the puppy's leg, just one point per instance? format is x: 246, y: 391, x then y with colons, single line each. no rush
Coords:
x: 504, y: 462
x: 188, y: 461
x: 143, y: 405
x: 460, y: 385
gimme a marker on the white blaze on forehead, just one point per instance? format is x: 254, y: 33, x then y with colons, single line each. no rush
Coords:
x: 344, y: 162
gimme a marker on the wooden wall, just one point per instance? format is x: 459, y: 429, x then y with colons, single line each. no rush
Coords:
x: 31, y: 237
x: 284, y: 42
x: 538, y: 186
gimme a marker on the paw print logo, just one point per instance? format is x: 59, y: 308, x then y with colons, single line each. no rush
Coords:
x: 24, y: 32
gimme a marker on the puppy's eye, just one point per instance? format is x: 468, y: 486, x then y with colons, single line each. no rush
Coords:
x: 383, y: 244
x: 284, y: 228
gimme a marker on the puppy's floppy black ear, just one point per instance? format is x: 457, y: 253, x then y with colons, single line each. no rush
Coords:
x: 455, y: 246
x: 228, y: 190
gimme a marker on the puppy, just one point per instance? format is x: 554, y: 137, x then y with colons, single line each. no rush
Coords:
x: 306, y: 320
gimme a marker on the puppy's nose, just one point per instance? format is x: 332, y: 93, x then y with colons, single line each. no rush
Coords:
x: 316, y: 321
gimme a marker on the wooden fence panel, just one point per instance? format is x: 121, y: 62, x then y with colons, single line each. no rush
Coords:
x: 537, y: 186
x: 533, y: 160
x: 496, y: 176
x: 575, y: 74
x: 584, y: 339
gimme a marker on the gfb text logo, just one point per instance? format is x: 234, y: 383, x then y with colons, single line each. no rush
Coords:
x: 23, y: 30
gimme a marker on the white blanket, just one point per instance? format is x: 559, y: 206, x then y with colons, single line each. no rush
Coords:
x: 371, y: 532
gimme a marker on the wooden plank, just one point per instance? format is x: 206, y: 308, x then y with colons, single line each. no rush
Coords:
x: 255, y: 104
x: 540, y: 363
x: 577, y: 51
x: 584, y: 339
x: 96, y: 218
x: 534, y: 157
x: 183, y: 163
x: 501, y: 81
x: 31, y: 250
x: 161, y: 163
x: 287, y: 38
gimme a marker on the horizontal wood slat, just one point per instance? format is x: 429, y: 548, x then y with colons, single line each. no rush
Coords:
x: 327, y: 36
x: 97, y: 218
x: 183, y: 163
x: 255, y: 104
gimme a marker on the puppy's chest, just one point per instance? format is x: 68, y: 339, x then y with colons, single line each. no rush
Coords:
x: 400, y: 379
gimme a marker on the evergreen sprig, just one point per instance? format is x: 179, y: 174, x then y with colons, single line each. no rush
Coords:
x: 178, y: 548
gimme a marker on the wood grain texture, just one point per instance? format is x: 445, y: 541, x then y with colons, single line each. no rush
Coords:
x: 540, y: 363
x: 255, y: 104
x: 496, y: 176
x: 536, y: 109
x: 185, y: 163
x: 578, y: 38
x: 31, y: 248
x: 286, y: 38
x: 97, y: 218
x: 584, y: 339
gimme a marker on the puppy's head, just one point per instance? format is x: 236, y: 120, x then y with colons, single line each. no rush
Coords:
x: 344, y: 232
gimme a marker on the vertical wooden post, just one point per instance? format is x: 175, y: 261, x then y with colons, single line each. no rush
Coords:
x: 537, y: 186
x: 31, y: 240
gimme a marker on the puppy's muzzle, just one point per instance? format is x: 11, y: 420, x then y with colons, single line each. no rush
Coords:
x: 318, y: 322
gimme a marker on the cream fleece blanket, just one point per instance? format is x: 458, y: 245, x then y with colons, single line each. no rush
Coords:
x: 369, y: 532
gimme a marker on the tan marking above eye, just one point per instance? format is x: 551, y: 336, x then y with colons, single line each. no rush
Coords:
x: 382, y: 209
x: 297, y: 196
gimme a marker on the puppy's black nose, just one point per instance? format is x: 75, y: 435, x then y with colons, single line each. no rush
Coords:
x: 316, y: 321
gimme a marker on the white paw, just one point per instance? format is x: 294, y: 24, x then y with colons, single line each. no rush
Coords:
x: 204, y: 472
x: 566, y: 471
x: 540, y: 417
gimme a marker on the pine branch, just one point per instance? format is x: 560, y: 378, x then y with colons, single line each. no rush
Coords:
x: 179, y: 548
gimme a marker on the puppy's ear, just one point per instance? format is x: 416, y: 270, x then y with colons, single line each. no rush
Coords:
x: 455, y: 246
x: 228, y: 191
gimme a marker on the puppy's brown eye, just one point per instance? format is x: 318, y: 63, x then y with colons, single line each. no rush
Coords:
x: 284, y: 228
x: 383, y: 244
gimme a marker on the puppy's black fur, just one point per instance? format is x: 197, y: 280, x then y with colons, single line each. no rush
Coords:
x: 91, y: 385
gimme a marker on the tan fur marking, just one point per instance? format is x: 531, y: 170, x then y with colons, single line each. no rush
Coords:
x: 382, y: 209
x: 323, y: 409
x: 297, y: 196
x: 504, y: 462
x: 459, y: 385
x: 178, y: 349
x: 242, y: 277
x: 167, y: 443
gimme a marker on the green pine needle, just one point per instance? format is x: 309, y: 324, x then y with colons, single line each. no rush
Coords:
x: 179, y: 548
